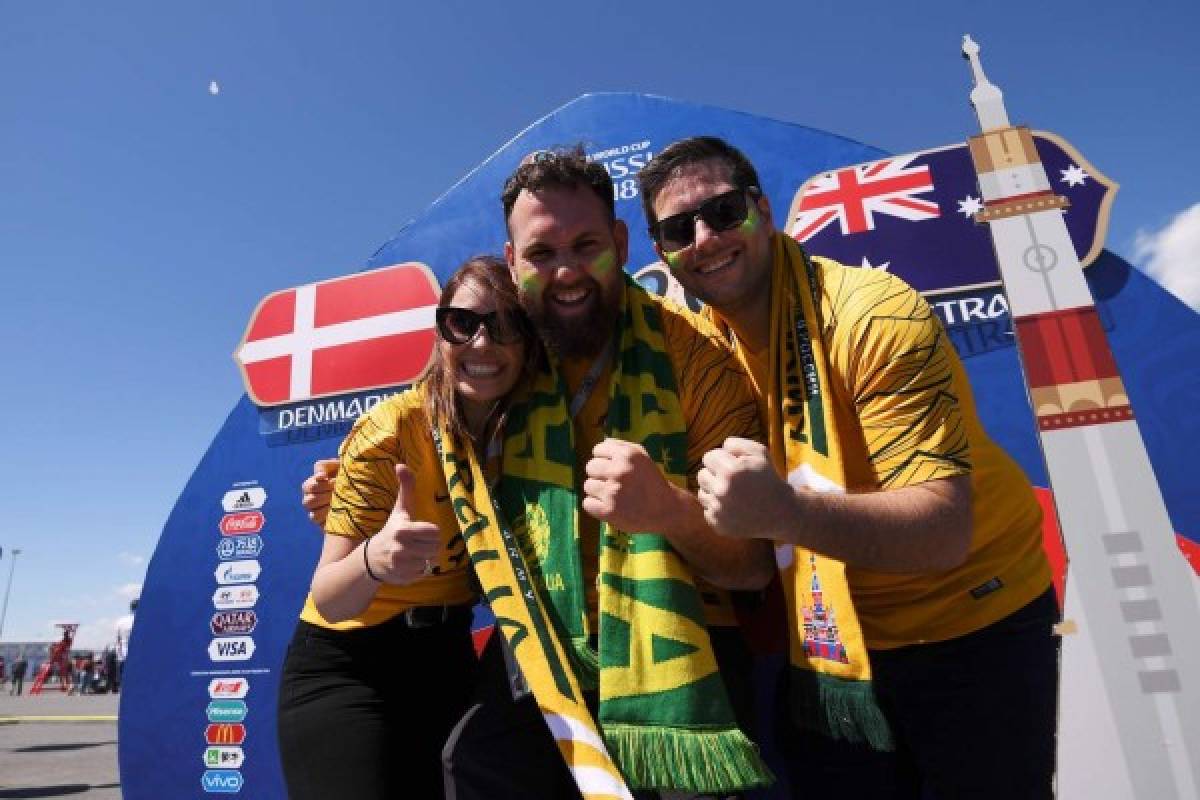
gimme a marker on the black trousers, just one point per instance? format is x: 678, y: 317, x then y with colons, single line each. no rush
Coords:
x: 502, y: 749
x: 364, y: 714
x: 973, y: 717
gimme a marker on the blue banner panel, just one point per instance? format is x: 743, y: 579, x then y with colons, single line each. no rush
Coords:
x: 229, y: 575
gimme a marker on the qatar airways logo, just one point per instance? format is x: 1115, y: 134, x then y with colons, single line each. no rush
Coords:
x: 237, y: 572
x: 242, y: 522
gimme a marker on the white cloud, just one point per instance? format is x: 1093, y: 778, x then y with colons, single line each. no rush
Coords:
x: 1172, y: 255
x: 95, y: 635
x: 129, y: 591
x: 131, y: 559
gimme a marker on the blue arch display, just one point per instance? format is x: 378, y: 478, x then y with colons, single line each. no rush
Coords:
x: 182, y: 677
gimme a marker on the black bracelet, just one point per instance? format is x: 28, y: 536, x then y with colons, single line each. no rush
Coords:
x: 367, y: 562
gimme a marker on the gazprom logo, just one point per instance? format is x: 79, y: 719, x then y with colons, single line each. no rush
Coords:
x: 226, y: 781
x: 237, y: 572
x: 227, y: 711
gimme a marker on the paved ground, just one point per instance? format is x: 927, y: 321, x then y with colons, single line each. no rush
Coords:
x: 53, y: 745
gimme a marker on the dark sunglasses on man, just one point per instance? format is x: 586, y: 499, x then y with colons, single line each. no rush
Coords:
x: 721, y: 212
x: 461, y: 325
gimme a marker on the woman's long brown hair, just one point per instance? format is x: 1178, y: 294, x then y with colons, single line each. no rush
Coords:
x: 489, y: 275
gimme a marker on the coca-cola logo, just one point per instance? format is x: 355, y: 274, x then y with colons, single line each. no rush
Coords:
x: 242, y: 522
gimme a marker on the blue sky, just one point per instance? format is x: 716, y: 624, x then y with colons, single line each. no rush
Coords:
x: 142, y: 217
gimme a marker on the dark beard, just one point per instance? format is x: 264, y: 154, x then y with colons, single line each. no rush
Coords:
x: 583, y: 338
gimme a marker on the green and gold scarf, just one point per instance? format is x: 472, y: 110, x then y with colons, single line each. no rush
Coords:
x: 664, y: 719
x: 830, y: 671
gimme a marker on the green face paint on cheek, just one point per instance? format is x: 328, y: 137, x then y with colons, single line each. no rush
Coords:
x: 531, y: 283
x: 602, y: 264
x: 675, y: 259
x: 752, y: 220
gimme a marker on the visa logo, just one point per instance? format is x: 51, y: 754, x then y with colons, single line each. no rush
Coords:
x: 232, y: 648
x: 226, y: 781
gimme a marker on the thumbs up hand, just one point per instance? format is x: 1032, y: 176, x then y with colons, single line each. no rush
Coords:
x: 405, y: 550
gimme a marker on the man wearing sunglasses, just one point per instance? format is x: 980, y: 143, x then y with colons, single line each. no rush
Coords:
x: 922, y: 659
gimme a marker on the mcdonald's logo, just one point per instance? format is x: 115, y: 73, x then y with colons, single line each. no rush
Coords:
x: 225, y: 733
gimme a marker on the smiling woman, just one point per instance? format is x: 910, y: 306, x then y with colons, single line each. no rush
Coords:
x: 381, y: 665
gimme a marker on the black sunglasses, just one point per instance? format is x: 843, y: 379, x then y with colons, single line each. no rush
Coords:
x: 721, y: 213
x: 461, y: 325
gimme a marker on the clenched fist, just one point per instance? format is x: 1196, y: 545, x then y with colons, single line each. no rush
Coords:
x: 626, y: 489
x: 741, y: 493
x: 317, y: 490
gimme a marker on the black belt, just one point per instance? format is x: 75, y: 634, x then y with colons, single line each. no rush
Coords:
x: 419, y: 617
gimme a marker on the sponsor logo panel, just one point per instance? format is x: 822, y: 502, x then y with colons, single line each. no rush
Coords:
x: 225, y: 623
x: 239, y: 547
x: 233, y: 648
x: 246, y: 571
x: 225, y: 733
x: 231, y: 688
x: 242, y: 522
x: 235, y: 596
x: 227, y: 711
x: 224, y: 757
x: 249, y: 499
x: 224, y: 781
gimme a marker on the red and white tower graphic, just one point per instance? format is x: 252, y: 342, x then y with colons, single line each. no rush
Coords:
x: 1129, y: 711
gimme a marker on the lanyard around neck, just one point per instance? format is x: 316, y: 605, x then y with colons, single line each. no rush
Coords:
x: 588, y: 385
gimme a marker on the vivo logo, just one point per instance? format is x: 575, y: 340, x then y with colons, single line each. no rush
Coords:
x: 237, y: 572
x: 227, y: 781
x: 233, y: 648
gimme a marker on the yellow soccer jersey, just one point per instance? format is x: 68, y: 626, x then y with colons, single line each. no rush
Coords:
x: 914, y: 420
x: 716, y: 401
x: 396, y: 430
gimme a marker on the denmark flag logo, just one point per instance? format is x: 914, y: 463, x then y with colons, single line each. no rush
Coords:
x: 363, y: 331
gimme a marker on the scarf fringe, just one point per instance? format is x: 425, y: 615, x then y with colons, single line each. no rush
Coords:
x: 707, y: 761
x: 839, y: 708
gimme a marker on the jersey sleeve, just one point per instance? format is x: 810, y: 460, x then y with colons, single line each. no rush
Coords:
x: 714, y: 392
x: 898, y: 368
x: 364, y: 492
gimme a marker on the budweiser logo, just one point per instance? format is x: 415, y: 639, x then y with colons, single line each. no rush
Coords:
x: 242, y: 522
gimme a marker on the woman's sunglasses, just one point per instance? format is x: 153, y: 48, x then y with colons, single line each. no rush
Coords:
x: 461, y: 325
x: 721, y: 213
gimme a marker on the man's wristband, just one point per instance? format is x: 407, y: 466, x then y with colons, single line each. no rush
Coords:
x: 367, y: 562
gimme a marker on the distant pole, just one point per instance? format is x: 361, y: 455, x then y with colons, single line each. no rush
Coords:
x: 4, y: 611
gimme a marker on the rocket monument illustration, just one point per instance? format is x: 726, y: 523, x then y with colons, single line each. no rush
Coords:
x: 1129, y: 709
